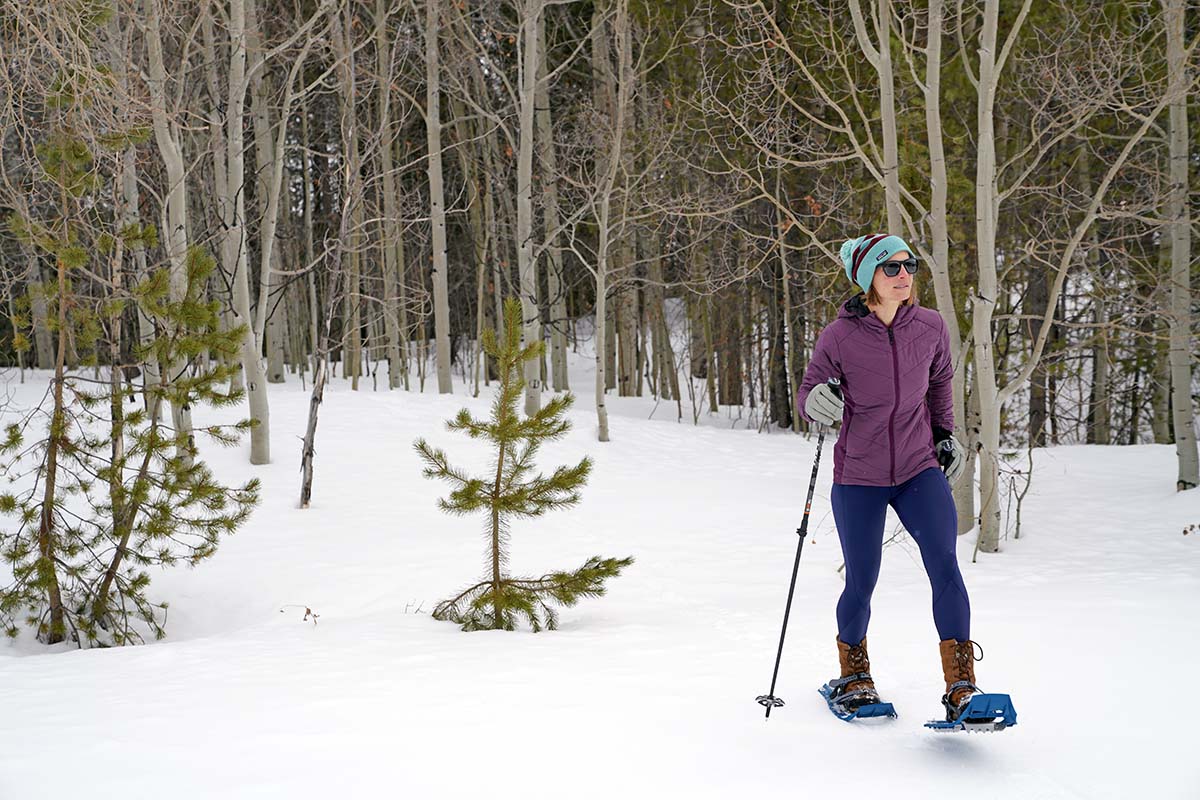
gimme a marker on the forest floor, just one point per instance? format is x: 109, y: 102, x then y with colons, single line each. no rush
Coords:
x: 1087, y: 620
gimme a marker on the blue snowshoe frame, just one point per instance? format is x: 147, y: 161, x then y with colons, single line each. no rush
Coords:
x: 983, y: 713
x: 862, y: 712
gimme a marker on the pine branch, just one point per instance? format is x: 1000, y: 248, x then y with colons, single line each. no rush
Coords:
x: 439, y: 466
x: 473, y: 428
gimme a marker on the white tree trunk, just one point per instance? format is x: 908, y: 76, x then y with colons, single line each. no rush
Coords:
x: 964, y: 491
x: 472, y: 179
x: 984, y: 302
x: 491, y: 217
x: 220, y: 176
x: 526, y: 264
x: 130, y: 215
x: 277, y: 328
x: 887, y: 103
x: 352, y: 350
x: 269, y: 161
x: 880, y: 57
x: 437, y: 206
x: 611, y: 161
x: 343, y: 45
x: 314, y: 310
x: 234, y: 218
x: 390, y: 229
x: 551, y: 220
x: 601, y: 322
x: 167, y: 137
x: 1182, y: 412
x: 604, y: 98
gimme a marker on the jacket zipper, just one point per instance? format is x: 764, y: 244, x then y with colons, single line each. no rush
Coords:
x: 895, y: 405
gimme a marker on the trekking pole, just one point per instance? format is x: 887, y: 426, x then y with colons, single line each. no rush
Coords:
x: 770, y: 700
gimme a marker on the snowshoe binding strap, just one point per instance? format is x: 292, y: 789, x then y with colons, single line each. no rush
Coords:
x: 955, y: 709
x: 853, y: 698
x: 838, y: 683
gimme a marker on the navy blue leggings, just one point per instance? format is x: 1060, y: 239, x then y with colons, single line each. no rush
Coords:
x: 926, y: 509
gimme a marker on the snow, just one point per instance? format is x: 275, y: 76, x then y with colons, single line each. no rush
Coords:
x: 648, y: 692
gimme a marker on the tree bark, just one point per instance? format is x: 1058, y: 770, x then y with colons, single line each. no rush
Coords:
x: 984, y: 302
x: 627, y: 345
x: 437, y: 204
x: 389, y: 229
x: 1182, y: 410
x: 880, y: 57
x: 531, y: 329
x: 551, y: 219
x: 234, y: 219
x: 610, y: 162
x: 351, y: 250
x: 167, y: 137
x: 473, y: 179
x: 269, y: 163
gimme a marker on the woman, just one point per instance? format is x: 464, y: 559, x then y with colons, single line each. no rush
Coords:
x: 896, y: 408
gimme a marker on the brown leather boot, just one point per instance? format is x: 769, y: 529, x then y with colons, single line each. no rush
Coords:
x: 958, y: 668
x: 855, y: 664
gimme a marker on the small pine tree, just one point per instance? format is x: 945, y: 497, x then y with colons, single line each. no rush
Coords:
x: 129, y: 492
x: 100, y: 497
x: 510, y: 491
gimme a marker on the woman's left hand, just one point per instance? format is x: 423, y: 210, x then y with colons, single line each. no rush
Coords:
x: 952, y: 458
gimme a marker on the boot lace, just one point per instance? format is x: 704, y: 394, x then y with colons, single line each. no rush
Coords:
x: 857, y: 658
x: 964, y: 654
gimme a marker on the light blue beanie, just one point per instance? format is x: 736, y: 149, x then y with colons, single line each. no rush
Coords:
x: 860, y: 256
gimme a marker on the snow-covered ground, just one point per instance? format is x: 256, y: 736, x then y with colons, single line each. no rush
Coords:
x: 1087, y: 620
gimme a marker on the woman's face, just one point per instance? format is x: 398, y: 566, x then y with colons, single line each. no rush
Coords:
x: 897, y: 289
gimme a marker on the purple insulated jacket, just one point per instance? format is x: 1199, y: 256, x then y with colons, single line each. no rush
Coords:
x: 897, y: 385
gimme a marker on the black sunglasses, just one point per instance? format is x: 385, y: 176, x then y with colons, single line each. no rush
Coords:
x: 892, y: 268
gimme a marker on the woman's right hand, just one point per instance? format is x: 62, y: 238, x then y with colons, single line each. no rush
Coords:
x: 824, y: 405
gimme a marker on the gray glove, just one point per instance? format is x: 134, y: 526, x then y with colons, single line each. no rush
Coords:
x: 824, y: 405
x: 952, y: 457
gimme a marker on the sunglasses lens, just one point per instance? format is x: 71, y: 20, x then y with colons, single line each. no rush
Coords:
x: 892, y: 268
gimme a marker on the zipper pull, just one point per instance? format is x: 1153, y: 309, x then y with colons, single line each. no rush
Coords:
x: 891, y: 336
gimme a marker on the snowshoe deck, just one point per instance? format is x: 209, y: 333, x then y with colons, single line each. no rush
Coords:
x: 985, y: 713
x: 862, y: 712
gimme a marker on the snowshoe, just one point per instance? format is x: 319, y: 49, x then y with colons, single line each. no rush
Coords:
x: 982, y: 713
x: 860, y: 703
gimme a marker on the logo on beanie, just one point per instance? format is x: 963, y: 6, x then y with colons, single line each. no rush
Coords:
x: 882, y: 255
